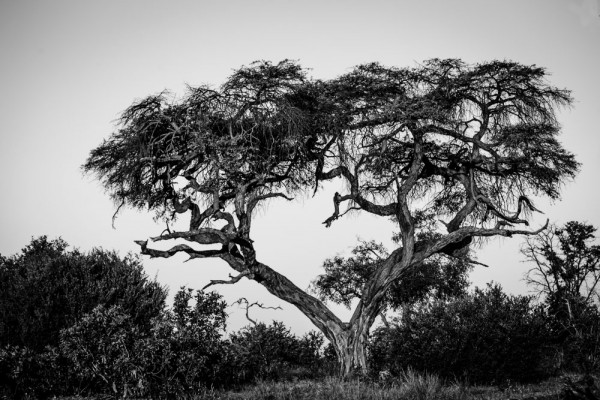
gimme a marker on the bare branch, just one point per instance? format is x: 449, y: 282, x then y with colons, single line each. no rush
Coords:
x: 201, y: 236
x: 193, y: 253
x: 470, y: 231
x: 231, y: 281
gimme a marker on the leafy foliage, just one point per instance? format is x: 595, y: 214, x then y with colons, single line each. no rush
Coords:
x: 344, y: 278
x: 25, y: 373
x: 101, y: 348
x: 487, y: 336
x: 47, y: 288
x: 181, y: 354
x: 272, y: 352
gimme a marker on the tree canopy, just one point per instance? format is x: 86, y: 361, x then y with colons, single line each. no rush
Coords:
x: 447, y: 150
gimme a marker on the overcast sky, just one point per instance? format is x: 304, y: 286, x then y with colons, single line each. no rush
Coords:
x: 68, y: 68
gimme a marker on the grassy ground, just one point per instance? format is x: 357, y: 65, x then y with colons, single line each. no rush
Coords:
x: 409, y: 387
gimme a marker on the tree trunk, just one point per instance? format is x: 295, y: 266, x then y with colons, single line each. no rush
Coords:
x: 351, y: 349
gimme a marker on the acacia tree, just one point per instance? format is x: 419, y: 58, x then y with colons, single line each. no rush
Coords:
x: 463, y: 144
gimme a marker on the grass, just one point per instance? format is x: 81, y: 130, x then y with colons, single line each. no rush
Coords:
x: 410, y: 386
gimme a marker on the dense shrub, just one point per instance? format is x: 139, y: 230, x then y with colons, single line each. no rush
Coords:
x: 487, y: 336
x: 575, y: 327
x: 47, y: 288
x: 185, y: 350
x: 180, y: 354
x: 101, y: 348
x: 272, y: 352
x: 25, y: 373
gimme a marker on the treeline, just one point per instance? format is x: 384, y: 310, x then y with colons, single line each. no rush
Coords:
x: 74, y: 323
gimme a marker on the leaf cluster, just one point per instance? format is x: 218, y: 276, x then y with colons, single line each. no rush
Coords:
x: 344, y: 278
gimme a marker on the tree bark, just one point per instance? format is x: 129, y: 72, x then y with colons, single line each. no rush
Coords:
x: 351, y: 349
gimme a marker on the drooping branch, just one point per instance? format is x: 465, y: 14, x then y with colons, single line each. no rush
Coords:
x: 253, y: 202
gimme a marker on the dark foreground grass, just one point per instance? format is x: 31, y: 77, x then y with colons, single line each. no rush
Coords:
x: 410, y: 386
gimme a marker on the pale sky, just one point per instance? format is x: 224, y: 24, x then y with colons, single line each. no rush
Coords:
x: 68, y: 68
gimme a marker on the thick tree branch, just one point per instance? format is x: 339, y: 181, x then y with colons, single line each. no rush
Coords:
x: 180, y: 248
x: 201, y: 236
x: 466, y: 232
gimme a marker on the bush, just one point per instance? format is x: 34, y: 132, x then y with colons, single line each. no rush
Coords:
x: 575, y: 327
x: 484, y: 337
x: 180, y: 354
x: 185, y: 350
x: 101, y: 349
x: 28, y: 374
x: 272, y: 352
x: 46, y: 289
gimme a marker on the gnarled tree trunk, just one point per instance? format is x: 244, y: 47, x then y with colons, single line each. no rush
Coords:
x: 351, y: 349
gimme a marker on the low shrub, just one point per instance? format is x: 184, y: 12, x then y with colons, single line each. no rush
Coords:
x: 485, y: 337
x: 181, y: 353
x: 272, y: 352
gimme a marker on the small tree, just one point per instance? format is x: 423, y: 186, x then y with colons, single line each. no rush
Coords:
x: 566, y: 272
x: 464, y: 144
x: 262, y: 351
x: 566, y: 265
